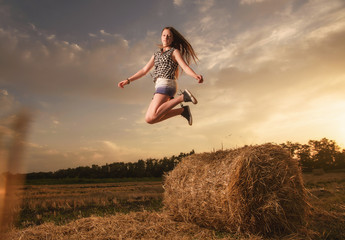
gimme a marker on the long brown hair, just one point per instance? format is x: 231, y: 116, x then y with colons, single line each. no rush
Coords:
x: 180, y: 43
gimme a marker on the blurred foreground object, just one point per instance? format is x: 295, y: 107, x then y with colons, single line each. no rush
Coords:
x: 12, y: 143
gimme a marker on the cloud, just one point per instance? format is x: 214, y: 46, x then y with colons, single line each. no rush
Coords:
x: 3, y: 92
x: 9, y: 105
x: 56, y: 122
x: 5, y: 128
x: 268, y: 76
x: 61, y: 68
x: 249, y: 2
x: 205, y: 5
x: 111, y: 145
x: 233, y: 42
x: 178, y: 3
x: 46, y: 158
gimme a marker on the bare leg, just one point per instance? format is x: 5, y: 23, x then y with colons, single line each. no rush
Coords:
x: 161, y: 108
x: 171, y: 113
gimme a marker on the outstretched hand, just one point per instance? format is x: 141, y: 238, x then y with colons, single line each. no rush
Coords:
x: 200, y: 78
x: 122, y: 83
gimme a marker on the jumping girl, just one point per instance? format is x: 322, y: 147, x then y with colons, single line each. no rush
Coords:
x: 175, y: 51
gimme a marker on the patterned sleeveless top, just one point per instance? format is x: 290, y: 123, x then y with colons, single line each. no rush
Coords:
x: 165, y: 66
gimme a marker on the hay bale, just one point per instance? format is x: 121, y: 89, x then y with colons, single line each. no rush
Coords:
x: 254, y: 189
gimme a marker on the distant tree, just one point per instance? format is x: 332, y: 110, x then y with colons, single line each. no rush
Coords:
x: 324, y: 153
x: 149, y: 167
x: 118, y: 170
x: 340, y: 160
x: 139, y: 169
x: 305, y: 159
x: 292, y: 147
x: 130, y: 170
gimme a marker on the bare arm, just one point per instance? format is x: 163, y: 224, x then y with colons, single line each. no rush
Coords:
x: 179, y: 59
x: 142, y: 72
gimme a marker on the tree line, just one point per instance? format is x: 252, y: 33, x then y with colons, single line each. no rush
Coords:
x: 149, y: 168
x: 323, y: 154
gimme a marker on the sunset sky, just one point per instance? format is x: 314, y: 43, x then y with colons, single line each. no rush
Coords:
x: 274, y: 71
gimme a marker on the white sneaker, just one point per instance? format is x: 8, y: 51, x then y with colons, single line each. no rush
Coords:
x: 188, y: 97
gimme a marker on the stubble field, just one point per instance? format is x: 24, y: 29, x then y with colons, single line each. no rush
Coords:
x: 62, y: 203
x: 133, y: 210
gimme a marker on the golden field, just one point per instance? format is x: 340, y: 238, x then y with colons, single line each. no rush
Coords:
x: 133, y: 210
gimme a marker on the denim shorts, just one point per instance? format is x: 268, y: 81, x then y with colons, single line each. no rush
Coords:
x: 166, y: 87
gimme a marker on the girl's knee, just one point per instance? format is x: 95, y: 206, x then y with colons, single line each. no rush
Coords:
x: 150, y: 119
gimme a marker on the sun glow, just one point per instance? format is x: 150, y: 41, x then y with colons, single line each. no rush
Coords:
x: 341, y: 131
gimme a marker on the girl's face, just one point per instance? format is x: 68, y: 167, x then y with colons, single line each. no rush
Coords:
x: 167, y: 38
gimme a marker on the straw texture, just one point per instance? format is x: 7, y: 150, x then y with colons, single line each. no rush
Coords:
x: 253, y: 189
x: 132, y: 226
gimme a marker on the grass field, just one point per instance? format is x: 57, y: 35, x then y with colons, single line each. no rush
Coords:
x: 60, y: 208
x: 63, y: 203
